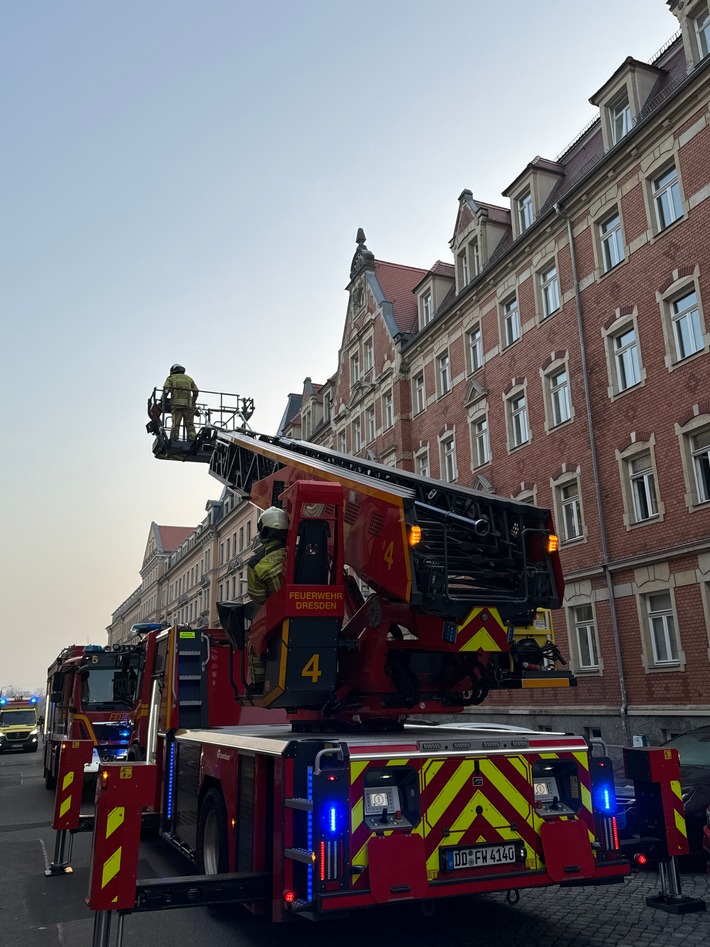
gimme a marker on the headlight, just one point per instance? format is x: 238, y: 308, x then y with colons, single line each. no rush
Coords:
x: 33, y: 733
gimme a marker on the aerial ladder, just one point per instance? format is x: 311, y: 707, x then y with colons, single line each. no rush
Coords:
x: 401, y: 593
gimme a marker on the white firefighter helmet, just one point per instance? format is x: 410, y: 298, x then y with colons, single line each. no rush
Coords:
x: 274, y: 520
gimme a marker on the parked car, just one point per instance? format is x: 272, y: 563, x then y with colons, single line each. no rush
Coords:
x: 694, y: 752
x: 706, y: 840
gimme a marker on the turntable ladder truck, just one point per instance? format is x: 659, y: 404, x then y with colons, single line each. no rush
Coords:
x: 348, y: 805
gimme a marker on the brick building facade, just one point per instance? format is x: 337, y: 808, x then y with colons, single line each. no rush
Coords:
x: 563, y: 358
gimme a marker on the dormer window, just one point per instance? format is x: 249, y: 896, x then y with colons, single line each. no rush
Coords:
x: 463, y: 270
x: 525, y: 210
x: 701, y: 24
x: 620, y: 115
x: 427, y: 308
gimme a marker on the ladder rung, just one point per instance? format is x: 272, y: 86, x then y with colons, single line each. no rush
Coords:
x: 300, y: 855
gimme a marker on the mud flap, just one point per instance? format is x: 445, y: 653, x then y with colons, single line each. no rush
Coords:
x: 397, y: 868
x: 567, y: 850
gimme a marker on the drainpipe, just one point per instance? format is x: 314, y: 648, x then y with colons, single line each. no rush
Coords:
x: 624, y: 708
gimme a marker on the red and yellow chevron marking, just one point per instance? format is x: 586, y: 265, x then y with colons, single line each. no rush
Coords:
x: 451, y: 793
x: 674, y: 818
x: 483, y: 630
x: 65, y: 793
x: 112, y: 864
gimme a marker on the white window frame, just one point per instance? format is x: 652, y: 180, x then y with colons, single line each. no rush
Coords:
x: 474, y: 347
x: 667, y: 198
x: 342, y: 442
x: 419, y: 392
x: 354, y: 369
x: 611, y: 241
x: 443, y: 373
x: 463, y: 268
x: 560, y: 398
x: 549, y: 290
x: 474, y: 257
x: 626, y: 358
x: 620, y: 118
x: 665, y: 646
x: 480, y: 441
x: 510, y: 320
x: 427, y: 307
x: 421, y: 462
x: 525, y: 210
x: 387, y: 410
x: 701, y: 28
x: 700, y: 457
x: 516, y: 403
x: 686, y: 325
x: 447, y: 457
x: 585, y: 629
x: 357, y: 435
x: 370, y: 424
x: 642, y: 483
x: 368, y: 361
x: 569, y: 509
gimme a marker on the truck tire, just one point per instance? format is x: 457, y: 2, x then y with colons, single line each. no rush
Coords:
x: 212, y: 845
x: 135, y: 754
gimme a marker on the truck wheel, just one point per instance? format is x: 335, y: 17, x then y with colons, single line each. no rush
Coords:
x: 212, y: 850
x: 135, y: 754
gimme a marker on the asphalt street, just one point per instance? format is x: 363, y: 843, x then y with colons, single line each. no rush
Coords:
x: 38, y: 910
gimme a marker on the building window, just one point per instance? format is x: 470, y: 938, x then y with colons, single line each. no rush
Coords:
x: 700, y: 453
x: 387, y: 410
x: 463, y: 270
x: 475, y: 258
x: 447, y: 448
x: 474, y: 346
x: 666, y: 198
x: 627, y: 368
x: 480, y: 442
x: 371, y: 430
x: 549, y: 291
x: 444, y: 373
x: 620, y: 117
x: 342, y: 442
x: 422, y: 463
x: 511, y: 321
x: 369, y: 355
x: 687, y: 329
x: 643, y: 486
x: 612, y: 243
x: 357, y: 435
x: 419, y: 393
x: 662, y: 628
x: 427, y: 308
x: 525, y: 211
x: 354, y: 369
x: 585, y: 635
x: 702, y: 32
x: 571, y: 510
x: 518, y: 430
x: 559, y: 396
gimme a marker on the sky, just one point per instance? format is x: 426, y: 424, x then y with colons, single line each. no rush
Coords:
x: 183, y: 180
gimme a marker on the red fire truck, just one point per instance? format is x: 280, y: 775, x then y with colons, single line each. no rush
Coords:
x: 90, y: 692
x: 347, y: 805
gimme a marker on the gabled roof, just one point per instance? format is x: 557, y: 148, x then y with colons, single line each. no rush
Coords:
x: 397, y: 283
x: 169, y: 538
x: 447, y: 270
x: 293, y: 406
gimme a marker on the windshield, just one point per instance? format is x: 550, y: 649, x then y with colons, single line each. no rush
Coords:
x: 12, y: 718
x: 693, y: 748
x: 111, y: 685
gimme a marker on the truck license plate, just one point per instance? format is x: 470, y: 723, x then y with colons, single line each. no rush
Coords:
x: 479, y: 856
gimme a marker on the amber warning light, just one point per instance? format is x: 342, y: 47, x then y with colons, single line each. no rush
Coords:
x: 553, y: 543
x: 415, y: 535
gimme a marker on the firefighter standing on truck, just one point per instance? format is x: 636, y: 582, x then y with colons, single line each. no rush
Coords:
x: 183, y: 394
x: 264, y: 573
